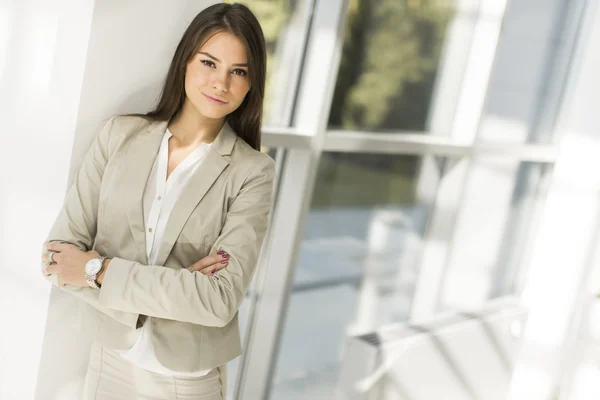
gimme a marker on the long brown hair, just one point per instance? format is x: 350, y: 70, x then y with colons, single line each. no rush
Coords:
x: 238, y: 20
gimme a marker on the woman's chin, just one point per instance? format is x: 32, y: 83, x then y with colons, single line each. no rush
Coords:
x: 212, y: 113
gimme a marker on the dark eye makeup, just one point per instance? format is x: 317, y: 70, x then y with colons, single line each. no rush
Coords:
x: 237, y: 71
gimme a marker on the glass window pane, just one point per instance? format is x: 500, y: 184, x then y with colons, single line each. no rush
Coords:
x: 529, y: 72
x: 391, y: 55
x: 357, y: 265
x: 493, y: 231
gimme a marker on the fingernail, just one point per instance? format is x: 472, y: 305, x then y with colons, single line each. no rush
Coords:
x: 225, y: 255
x: 213, y: 271
x: 220, y: 252
x: 224, y: 262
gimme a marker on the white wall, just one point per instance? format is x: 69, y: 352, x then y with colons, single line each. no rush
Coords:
x: 54, y: 91
x: 42, y: 55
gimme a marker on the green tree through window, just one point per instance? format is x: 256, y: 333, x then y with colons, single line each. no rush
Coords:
x: 390, y: 57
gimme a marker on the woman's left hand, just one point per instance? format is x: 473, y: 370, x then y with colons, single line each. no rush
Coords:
x: 69, y: 263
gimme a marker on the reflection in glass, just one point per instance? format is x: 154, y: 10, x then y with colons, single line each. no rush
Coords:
x: 389, y: 63
x: 357, y: 265
x: 493, y: 231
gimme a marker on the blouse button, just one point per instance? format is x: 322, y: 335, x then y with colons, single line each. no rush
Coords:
x: 159, y: 197
x: 150, y: 230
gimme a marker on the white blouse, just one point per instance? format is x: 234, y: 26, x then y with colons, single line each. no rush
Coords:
x: 160, y: 197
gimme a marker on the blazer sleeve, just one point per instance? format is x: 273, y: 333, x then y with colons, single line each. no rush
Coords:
x: 192, y: 296
x: 76, y: 222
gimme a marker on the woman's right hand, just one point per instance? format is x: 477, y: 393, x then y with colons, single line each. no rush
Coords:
x: 211, y: 264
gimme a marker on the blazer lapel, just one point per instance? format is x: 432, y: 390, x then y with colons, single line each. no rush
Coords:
x: 212, y: 166
x: 146, y: 147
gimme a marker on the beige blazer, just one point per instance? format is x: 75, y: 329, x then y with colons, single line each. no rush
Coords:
x: 225, y: 205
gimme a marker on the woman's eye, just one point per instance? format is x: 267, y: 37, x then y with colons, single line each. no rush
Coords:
x: 208, y: 63
x: 240, y: 72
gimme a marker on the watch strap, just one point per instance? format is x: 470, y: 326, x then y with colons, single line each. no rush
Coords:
x: 92, y: 282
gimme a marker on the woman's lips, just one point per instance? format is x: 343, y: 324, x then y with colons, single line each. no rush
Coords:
x: 213, y: 100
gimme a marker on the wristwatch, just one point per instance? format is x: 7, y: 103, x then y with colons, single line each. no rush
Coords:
x: 92, y: 270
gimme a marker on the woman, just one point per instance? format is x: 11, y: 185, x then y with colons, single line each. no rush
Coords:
x: 161, y: 231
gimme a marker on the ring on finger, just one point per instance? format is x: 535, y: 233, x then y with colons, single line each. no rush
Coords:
x: 50, y: 257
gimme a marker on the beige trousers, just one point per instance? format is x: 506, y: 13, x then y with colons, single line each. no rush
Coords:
x: 111, y: 377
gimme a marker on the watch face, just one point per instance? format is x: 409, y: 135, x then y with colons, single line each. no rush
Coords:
x: 93, y: 266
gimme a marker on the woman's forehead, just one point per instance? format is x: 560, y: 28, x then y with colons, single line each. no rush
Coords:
x: 227, y: 47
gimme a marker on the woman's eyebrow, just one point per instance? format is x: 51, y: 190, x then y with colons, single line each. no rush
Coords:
x: 217, y: 60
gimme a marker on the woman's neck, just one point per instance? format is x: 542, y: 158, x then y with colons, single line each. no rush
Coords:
x: 189, y: 127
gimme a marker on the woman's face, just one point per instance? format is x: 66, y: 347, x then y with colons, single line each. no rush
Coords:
x: 216, y: 78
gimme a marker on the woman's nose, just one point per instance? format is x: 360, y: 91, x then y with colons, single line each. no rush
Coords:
x: 221, y: 84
